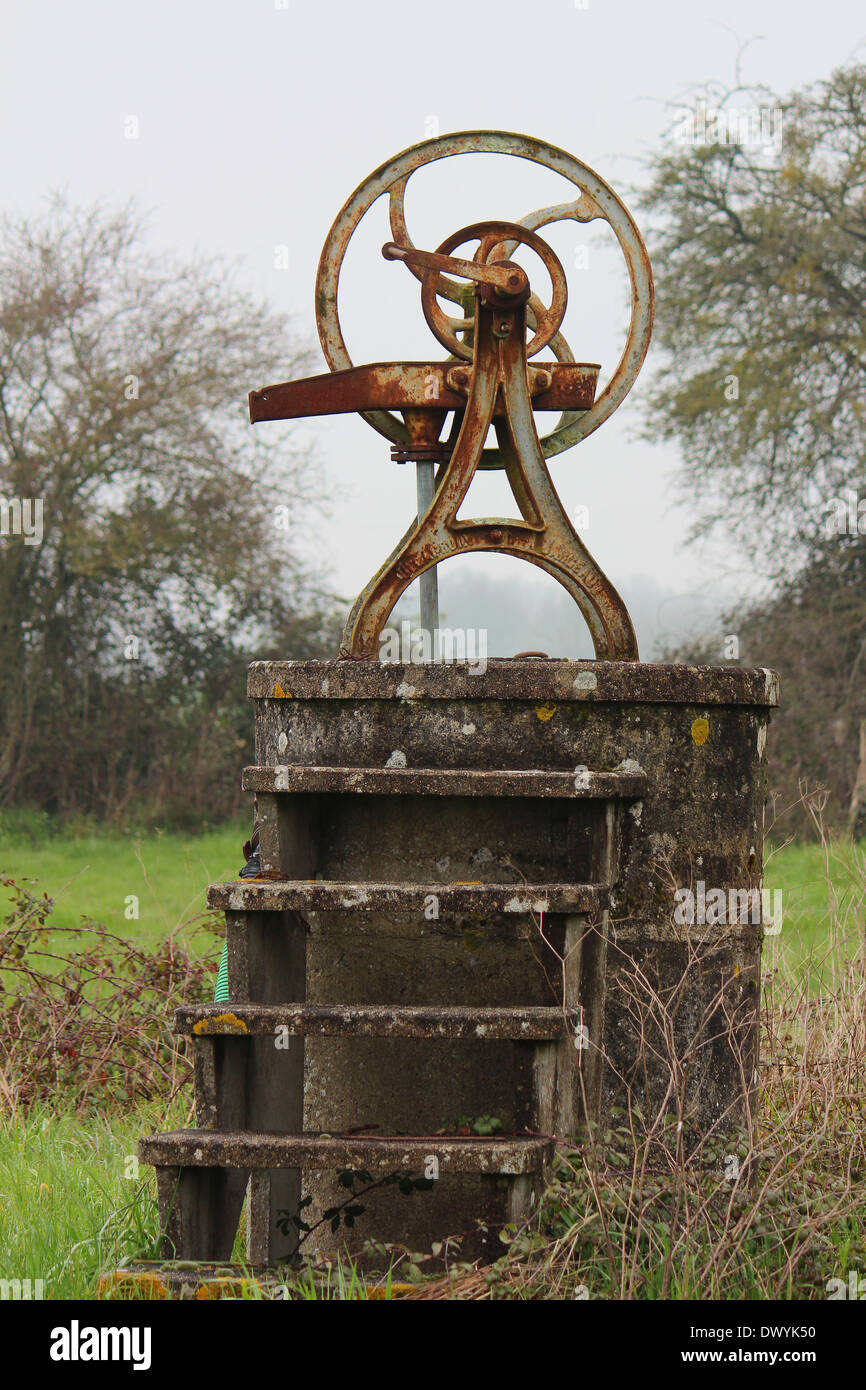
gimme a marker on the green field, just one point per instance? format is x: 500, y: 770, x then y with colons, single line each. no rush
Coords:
x: 823, y: 907
x: 94, y: 874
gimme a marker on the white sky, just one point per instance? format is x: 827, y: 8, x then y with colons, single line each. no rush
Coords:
x: 258, y: 119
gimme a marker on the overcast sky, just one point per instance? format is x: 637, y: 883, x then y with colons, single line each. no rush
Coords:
x: 256, y: 120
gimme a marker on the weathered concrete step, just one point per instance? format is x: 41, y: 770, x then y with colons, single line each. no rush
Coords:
x: 508, y: 1155
x: 599, y: 682
x: 156, y: 1280
x: 430, y: 781
x: 485, y: 899
x: 532, y: 1023
x: 203, y: 1281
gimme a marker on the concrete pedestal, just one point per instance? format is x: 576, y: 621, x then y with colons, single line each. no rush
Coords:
x: 474, y: 903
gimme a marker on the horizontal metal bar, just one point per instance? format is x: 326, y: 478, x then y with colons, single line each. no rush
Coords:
x: 398, y: 385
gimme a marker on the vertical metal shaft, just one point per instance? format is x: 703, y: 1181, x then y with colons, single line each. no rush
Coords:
x: 424, y: 475
x: 428, y: 582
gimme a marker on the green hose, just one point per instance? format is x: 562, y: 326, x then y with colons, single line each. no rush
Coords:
x: 221, y: 994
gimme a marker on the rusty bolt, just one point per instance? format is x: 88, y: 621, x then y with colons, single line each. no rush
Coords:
x: 496, y: 535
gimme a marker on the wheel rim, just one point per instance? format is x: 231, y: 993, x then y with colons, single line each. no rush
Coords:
x: 596, y: 201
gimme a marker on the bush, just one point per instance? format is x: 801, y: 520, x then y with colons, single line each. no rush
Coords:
x: 86, y: 1015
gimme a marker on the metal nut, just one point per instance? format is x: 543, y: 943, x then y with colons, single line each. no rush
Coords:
x: 458, y: 378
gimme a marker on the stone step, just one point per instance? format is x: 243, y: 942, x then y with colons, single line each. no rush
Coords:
x: 485, y: 899
x: 506, y: 1155
x: 203, y: 1281
x: 430, y: 781
x: 562, y: 681
x: 531, y: 1023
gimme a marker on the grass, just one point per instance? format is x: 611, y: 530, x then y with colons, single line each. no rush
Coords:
x: 94, y: 873
x: 71, y: 1202
x: 823, y: 889
x: 800, y: 870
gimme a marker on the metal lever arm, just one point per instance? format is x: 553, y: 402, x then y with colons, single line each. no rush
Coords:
x: 504, y: 277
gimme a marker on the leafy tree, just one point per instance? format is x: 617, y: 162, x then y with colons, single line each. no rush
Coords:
x: 164, y: 560
x: 812, y: 630
x: 760, y: 265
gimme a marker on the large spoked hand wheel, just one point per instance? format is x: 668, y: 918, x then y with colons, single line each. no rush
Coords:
x: 595, y: 200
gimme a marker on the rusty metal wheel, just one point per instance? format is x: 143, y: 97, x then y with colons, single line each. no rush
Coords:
x: 491, y: 238
x: 596, y: 200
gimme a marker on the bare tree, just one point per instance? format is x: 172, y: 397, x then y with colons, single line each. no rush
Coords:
x: 149, y: 533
